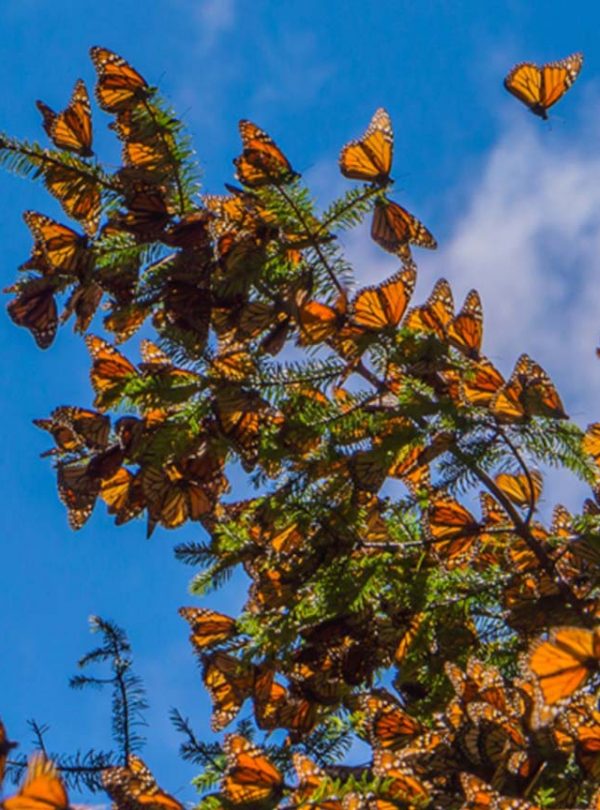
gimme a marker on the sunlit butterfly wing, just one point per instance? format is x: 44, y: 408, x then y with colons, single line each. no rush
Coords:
x: 208, y: 626
x: 383, y: 306
x: 119, y: 86
x: 521, y: 489
x: 465, y: 331
x: 563, y: 662
x: 250, y: 776
x: 63, y: 248
x: 480, y: 796
x: 72, y: 128
x: 262, y: 162
x: 436, y: 314
x: 134, y: 788
x: 395, y: 229
x: 110, y: 372
x: 229, y: 683
x: 41, y: 789
x: 78, y: 192
x: 541, y: 87
x: 123, y: 494
x: 370, y: 158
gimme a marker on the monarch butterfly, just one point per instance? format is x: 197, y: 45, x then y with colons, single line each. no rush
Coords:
x: 394, y: 229
x: 380, y: 307
x: 408, y: 637
x: 563, y: 662
x: 320, y: 322
x: 72, y: 128
x: 240, y: 414
x: 208, y: 626
x: 262, y: 162
x: 480, y: 796
x: 123, y: 494
x: 389, y: 725
x: 119, y: 86
x: 311, y: 779
x: 541, y: 87
x: 124, y: 321
x: 74, y: 428
x: 529, y: 392
x: 229, y: 683
x: 110, y: 372
x: 78, y: 192
x: 134, y: 788
x: 404, y: 786
x: 41, y: 789
x: 250, y: 776
x: 370, y: 158
x: 35, y: 309
x: 523, y: 490
x: 481, y: 382
x: 275, y: 707
x: 465, y: 331
x: 436, y: 313
x: 63, y: 249
x: 148, y: 212
x: 451, y: 528
x: 6, y: 747
x: 590, y: 443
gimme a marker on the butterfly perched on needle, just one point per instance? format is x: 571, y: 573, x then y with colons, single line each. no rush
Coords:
x: 395, y: 229
x: 72, y: 128
x: 262, y: 162
x: 370, y: 158
x: 119, y: 86
x: 539, y: 88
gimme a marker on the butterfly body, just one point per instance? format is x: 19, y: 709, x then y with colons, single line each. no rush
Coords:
x: 539, y: 88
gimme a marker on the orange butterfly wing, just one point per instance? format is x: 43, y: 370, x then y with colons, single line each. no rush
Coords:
x: 436, y: 313
x: 42, y: 788
x: 119, y: 86
x: 370, y: 158
x: 466, y: 330
x: 540, y: 88
x: 134, y: 788
x: 262, y: 162
x: 379, y: 307
x: 394, y: 229
x: 72, y: 128
x: 35, y: 309
x: 208, y: 626
x: 250, y: 776
x: 562, y: 663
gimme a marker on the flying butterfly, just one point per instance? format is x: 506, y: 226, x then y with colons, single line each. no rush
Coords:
x: 41, y: 789
x: 250, y: 776
x: 134, y: 788
x: 539, y: 88
x: 564, y: 661
x: 74, y: 428
x: 72, y: 128
x: 376, y: 308
x: 528, y: 392
x: 262, y: 162
x: 370, y: 158
x: 119, y: 86
x: 395, y: 229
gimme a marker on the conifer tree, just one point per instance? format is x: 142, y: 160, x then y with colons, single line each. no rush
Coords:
x: 403, y: 587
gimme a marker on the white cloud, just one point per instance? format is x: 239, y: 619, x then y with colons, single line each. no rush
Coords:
x: 215, y: 17
x: 527, y: 236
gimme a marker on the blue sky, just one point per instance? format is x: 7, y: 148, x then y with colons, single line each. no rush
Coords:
x: 514, y: 203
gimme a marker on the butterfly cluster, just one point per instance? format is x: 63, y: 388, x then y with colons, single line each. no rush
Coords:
x: 396, y: 536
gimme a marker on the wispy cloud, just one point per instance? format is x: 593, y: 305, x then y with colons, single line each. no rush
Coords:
x: 527, y: 236
x: 215, y: 17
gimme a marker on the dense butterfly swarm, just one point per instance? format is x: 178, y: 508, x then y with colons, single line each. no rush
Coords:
x: 458, y: 642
